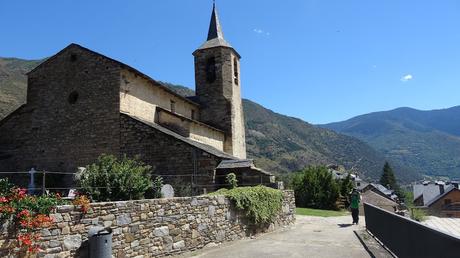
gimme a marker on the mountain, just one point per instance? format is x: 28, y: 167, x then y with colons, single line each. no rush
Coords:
x: 281, y: 143
x: 425, y: 141
x: 13, y: 83
x: 277, y: 143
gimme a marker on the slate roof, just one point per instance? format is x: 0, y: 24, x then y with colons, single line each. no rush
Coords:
x: 243, y: 163
x: 380, y: 189
x: 429, y: 191
x: 362, y: 186
x: 204, y: 147
x: 447, y: 191
x: 378, y: 200
x: 383, y: 189
x: 262, y: 171
x: 160, y: 109
x: 215, y: 34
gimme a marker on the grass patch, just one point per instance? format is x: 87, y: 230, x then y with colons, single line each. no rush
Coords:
x: 320, y: 213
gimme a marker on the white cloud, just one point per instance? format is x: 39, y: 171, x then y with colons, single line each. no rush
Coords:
x: 407, y: 77
x: 260, y: 31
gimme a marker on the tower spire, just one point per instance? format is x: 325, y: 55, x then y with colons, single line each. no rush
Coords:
x: 215, y: 30
x: 215, y: 34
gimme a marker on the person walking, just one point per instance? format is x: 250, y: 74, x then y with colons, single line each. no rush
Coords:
x: 354, y: 205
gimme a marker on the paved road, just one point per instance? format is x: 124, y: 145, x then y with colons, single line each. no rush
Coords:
x: 309, y: 237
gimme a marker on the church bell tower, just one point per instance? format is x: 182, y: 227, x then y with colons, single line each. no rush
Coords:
x: 218, y: 87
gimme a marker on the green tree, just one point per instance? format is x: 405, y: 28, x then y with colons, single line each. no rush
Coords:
x: 112, y: 179
x: 346, y: 185
x: 388, y: 178
x: 315, y: 187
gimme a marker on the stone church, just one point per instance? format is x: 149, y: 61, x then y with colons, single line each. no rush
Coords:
x: 81, y: 104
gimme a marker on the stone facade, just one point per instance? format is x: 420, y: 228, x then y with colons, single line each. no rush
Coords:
x: 221, y: 96
x: 140, y: 97
x: 169, y: 155
x: 152, y: 228
x: 71, y: 116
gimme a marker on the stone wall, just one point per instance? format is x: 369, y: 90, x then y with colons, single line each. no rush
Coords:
x: 157, y: 227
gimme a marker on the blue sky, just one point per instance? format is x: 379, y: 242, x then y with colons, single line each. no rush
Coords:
x: 322, y: 61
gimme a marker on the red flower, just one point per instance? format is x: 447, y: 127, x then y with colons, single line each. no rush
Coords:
x: 25, y: 239
x: 24, y: 224
x: 3, y: 199
x: 6, y: 209
x: 19, y: 193
x: 23, y: 213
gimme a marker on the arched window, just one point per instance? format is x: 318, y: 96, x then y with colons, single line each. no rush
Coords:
x: 73, y: 97
x: 235, y: 70
x: 211, y: 70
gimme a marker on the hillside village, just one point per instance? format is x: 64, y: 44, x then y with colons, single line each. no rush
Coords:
x: 99, y: 159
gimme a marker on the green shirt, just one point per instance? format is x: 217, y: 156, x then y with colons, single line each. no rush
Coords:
x: 354, y: 201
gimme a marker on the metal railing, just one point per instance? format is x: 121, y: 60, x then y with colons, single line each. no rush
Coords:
x: 186, y: 184
x: 408, y: 238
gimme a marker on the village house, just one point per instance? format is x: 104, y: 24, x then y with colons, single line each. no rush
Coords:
x: 427, y: 191
x: 446, y: 204
x: 81, y: 104
x: 377, y: 195
x: 442, y: 203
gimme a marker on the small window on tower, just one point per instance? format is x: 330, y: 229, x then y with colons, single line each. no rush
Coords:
x: 173, y: 106
x: 235, y: 70
x: 211, y: 70
x: 192, y: 115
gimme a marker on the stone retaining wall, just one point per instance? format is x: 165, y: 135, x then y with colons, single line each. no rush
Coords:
x: 152, y: 228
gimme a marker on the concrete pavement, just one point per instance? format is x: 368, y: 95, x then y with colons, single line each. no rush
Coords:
x: 309, y: 237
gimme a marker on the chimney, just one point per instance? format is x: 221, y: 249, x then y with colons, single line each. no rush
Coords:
x: 441, y: 189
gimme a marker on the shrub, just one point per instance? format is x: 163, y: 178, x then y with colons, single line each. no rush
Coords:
x: 260, y: 203
x: 83, y: 202
x: 112, y: 179
x: 182, y: 186
x: 155, y: 191
x: 5, y: 186
x: 27, y: 213
x: 231, y: 180
x: 314, y: 187
x: 417, y: 214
